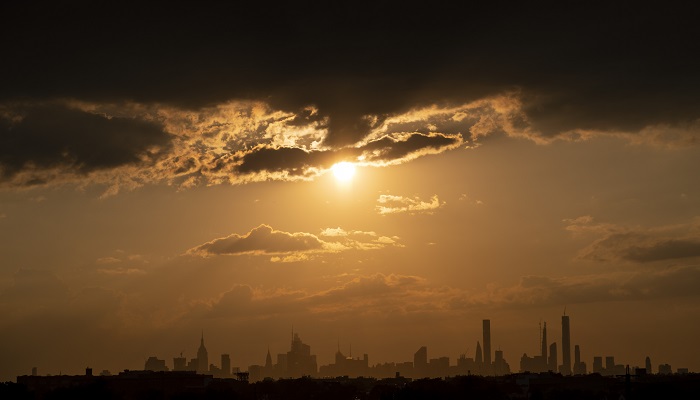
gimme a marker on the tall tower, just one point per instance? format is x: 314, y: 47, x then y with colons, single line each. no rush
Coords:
x: 553, y: 357
x: 543, y: 353
x: 487, y: 344
x: 647, y: 364
x: 268, y: 360
x: 478, y: 357
x: 565, y: 345
x: 202, y: 358
x: 225, y: 365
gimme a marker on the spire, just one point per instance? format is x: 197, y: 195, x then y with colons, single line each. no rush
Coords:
x: 268, y: 359
x: 202, y: 342
x: 544, y: 342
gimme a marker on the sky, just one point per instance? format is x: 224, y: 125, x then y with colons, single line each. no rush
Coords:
x: 168, y: 169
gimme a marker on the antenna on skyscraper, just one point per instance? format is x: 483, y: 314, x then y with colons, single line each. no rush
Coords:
x: 564, y: 310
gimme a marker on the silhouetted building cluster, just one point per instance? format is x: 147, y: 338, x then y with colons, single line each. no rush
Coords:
x: 299, y: 362
x: 547, y: 360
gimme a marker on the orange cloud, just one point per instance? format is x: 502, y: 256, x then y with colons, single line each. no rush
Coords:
x: 290, y: 247
x: 391, y: 204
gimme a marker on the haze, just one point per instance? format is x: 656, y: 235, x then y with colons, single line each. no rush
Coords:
x: 167, y: 169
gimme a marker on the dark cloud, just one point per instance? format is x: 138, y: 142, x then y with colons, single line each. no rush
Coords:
x: 293, y: 160
x: 603, y: 66
x: 389, y: 149
x: 638, y: 285
x: 300, y: 162
x: 57, y: 136
x: 639, y: 245
x: 664, y: 250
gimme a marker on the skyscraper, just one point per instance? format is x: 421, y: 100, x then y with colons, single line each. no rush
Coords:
x: 202, y: 357
x: 543, y: 353
x: 478, y: 357
x: 552, y: 364
x: 420, y: 362
x: 647, y: 363
x: 565, y: 346
x: 299, y: 361
x: 579, y: 366
x: 487, y: 345
x: 225, y: 365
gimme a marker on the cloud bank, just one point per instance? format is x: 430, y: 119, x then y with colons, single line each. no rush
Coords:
x: 638, y: 244
x: 227, y: 93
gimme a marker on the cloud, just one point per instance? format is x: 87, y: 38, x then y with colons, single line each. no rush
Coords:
x: 45, y: 137
x: 261, y: 240
x: 383, y: 295
x: 630, y: 285
x: 463, y: 76
x: 391, y: 204
x: 291, y: 247
x: 638, y: 244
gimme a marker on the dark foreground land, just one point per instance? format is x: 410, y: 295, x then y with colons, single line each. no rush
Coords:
x: 168, y: 385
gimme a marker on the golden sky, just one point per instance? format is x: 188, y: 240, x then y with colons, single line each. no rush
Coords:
x: 182, y: 175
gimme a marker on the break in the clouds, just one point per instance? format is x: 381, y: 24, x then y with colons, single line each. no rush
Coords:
x: 638, y: 244
x: 392, y: 204
x: 296, y: 246
x: 283, y: 92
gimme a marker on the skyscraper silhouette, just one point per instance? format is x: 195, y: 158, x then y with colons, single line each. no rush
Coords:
x: 225, y: 365
x: 565, y: 346
x: 487, y: 345
x: 647, y: 364
x: 202, y: 357
x: 543, y: 353
x: 478, y: 357
x: 420, y: 362
x: 553, y: 357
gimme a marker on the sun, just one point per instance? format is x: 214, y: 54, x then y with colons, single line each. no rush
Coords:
x: 343, y: 171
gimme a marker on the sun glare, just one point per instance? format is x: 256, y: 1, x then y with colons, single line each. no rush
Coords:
x: 343, y: 171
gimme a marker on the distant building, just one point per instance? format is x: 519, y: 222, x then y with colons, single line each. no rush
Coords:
x: 179, y: 363
x: 487, y: 346
x: 665, y: 369
x: 202, y: 357
x: 465, y: 366
x: 420, y: 363
x: 478, y: 357
x: 346, y: 366
x: 647, y: 364
x: 565, y: 346
x: 298, y: 361
x: 500, y: 366
x: 540, y: 363
x: 155, y: 364
x: 598, y: 365
x: 543, y: 333
x: 439, y: 367
x: 579, y: 366
x: 225, y: 366
x: 552, y: 362
x: 609, y: 363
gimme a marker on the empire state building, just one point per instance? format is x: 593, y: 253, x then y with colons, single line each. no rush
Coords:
x: 202, y: 358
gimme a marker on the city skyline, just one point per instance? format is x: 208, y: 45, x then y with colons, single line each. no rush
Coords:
x: 383, y: 173
x: 300, y: 362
